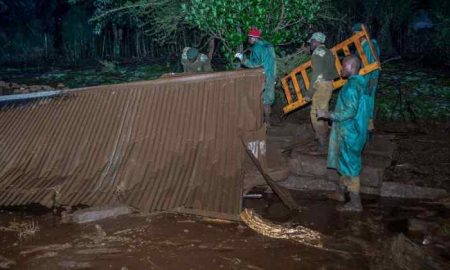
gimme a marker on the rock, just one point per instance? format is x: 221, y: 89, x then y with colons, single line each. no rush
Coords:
x: 38, y: 88
x: 14, y: 86
x: 98, y: 251
x: 60, y: 86
x: 66, y: 214
x: 4, y: 88
x: 48, y: 254
x: 99, y: 212
x: 74, y: 265
x: 427, y: 214
x: 302, y: 164
x: 100, y: 232
x: 403, y: 254
x: 400, y: 190
x: 382, y: 145
x: 416, y: 225
x: 254, y: 178
x: 370, y: 190
x: 53, y: 247
x: 21, y: 91
x: 6, y: 263
x: 308, y: 183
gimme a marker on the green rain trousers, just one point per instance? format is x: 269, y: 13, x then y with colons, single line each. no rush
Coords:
x: 349, y: 130
x: 263, y: 55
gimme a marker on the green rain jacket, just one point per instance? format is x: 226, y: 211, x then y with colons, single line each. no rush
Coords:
x: 349, y: 130
x: 372, y: 77
x: 263, y: 54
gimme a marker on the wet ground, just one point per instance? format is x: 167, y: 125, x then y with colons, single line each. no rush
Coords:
x: 173, y: 241
x: 422, y: 157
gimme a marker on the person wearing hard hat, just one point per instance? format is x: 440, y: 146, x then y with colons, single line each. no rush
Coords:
x: 193, y: 61
x: 372, y: 77
x: 262, y: 55
x: 323, y: 72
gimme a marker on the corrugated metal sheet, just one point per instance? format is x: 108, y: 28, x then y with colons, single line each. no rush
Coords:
x: 172, y: 143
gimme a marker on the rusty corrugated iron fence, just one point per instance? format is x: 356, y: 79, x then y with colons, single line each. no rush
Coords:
x: 167, y: 144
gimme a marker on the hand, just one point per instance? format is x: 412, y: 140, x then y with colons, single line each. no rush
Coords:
x: 240, y: 56
x: 323, y: 114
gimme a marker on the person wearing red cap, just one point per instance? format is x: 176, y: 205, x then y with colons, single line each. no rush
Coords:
x: 262, y: 55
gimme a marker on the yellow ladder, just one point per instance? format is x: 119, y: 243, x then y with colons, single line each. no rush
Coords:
x: 291, y: 84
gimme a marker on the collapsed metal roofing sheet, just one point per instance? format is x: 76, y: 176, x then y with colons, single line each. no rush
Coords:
x: 168, y: 144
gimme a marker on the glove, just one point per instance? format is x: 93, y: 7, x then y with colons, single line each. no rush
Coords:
x: 240, y: 56
x: 323, y: 114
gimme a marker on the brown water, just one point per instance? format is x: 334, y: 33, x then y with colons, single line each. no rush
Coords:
x: 170, y: 241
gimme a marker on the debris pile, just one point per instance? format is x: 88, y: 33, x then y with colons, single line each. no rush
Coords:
x: 299, y: 233
x: 10, y: 88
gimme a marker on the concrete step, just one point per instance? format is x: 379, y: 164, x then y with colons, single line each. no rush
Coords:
x: 96, y: 213
x: 254, y: 178
x: 382, y: 145
x: 308, y: 183
x: 301, y: 164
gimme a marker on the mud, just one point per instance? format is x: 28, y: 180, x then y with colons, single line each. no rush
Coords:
x: 422, y: 157
x: 163, y: 241
x: 169, y: 241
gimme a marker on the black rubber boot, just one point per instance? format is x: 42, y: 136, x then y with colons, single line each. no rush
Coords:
x: 354, y: 205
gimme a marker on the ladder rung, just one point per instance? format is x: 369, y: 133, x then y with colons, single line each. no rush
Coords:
x: 302, y: 70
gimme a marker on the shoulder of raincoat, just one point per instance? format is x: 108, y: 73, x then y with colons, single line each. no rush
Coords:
x: 262, y: 55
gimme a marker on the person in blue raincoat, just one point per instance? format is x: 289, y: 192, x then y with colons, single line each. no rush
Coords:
x: 372, y: 77
x: 262, y: 55
x: 349, y: 132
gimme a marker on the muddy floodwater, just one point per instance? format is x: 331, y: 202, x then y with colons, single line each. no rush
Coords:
x: 171, y: 241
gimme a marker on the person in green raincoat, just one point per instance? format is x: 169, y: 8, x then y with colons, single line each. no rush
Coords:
x: 372, y: 77
x: 262, y: 55
x: 349, y: 132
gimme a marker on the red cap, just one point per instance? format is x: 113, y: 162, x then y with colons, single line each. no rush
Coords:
x: 254, y: 32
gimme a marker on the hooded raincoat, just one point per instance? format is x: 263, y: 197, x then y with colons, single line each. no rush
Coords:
x: 349, y: 130
x: 263, y: 55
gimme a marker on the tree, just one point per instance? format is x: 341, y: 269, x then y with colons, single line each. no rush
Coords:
x: 282, y: 22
